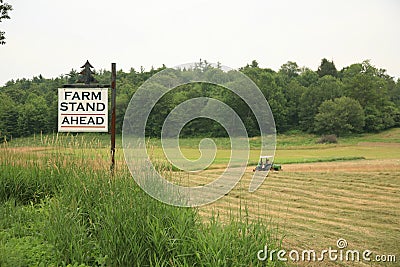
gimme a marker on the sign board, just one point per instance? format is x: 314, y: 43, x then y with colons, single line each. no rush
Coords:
x: 83, y: 110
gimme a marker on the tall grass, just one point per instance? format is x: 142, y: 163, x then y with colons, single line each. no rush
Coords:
x: 72, y: 211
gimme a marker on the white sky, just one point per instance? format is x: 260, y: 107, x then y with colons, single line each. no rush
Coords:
x: 51, y: 37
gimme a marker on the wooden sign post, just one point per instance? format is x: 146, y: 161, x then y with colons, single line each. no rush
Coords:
x: 83, y: 106
x: 113, y: 114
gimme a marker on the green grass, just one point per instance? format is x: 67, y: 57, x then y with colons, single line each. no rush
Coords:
x: 388, y: 136
x: 302, y: 154
x: 21, y: 240
x: 312, y: 160
x: 57, y: 209
x: 284, y: 141
x: 59, y: 205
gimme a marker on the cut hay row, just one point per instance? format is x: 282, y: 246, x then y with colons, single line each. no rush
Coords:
x: 315, y: 209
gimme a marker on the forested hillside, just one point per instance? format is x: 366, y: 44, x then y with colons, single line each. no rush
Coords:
x: 358, y: 98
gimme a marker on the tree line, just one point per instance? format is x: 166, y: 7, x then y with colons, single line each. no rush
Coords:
x: 358, y: 98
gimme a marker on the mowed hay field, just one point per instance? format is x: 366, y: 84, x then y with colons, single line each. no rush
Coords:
x: 314, y: 209
x: 348, y: 190
x: 314, y: 204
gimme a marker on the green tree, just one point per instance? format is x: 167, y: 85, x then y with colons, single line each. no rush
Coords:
x: 293, y: 92
x: 370, y: 87
x: 327, y: 68
x: 73, y: 76
x: 394, y: 93
x: 340, y: 116
x: 294, y: 95
x: 8, y: 117
x: 361, y: 83
x: 122, y: 102
x: 290, y: 69
x: 4, y: 8
x: 326, y: 88
x: 33, y: 115
x: 307, y: 77
x: 267, y: 82
x: 254, y: 64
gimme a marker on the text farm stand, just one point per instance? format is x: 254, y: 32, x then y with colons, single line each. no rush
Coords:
x: 83, y: 110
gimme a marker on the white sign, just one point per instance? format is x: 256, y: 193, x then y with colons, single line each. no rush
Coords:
x: 82, y: 110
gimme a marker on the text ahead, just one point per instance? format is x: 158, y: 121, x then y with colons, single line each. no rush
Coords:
x: 83, y: 110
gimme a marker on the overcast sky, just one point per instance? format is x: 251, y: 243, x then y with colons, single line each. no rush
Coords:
x: 51, y: 37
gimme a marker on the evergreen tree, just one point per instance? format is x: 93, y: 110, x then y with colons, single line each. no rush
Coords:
x: 327, y: 68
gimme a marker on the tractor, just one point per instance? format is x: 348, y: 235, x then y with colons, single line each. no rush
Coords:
x: 266, y: 164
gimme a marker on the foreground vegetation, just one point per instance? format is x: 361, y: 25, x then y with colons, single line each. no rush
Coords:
x: 61, y: 208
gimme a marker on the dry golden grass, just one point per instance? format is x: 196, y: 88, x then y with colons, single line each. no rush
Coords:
x: 315, y: 209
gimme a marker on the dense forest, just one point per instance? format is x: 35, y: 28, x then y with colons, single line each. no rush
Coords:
x: 358, y: 98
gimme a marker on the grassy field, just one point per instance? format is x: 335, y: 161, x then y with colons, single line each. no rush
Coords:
x: 348, y: 190
x: 315, y: 204
x: 314, y: 209
x: 60, y: 206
